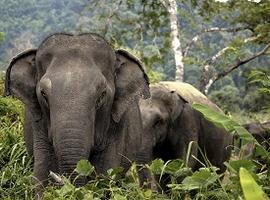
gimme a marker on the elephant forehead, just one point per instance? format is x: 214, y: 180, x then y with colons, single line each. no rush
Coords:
x: 150, y: 108
x: 66, y: 41
x: 81, y: 80
x: 86, y: 48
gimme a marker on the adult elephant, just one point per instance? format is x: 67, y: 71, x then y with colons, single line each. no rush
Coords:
x: 81, y: 102
x: 170, y: 124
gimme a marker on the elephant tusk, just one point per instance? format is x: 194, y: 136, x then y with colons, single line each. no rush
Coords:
x: 56, y: 178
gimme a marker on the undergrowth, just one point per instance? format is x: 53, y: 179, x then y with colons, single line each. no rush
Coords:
x: 242, y: 176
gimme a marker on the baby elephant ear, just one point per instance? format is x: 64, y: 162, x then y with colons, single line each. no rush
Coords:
x: 131, y: 83
x: 178, y: 105
x: 20, y: 77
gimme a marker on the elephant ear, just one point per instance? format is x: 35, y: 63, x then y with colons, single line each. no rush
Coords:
x: 177, y: 106
x: 131, y: 83
x: 20, y: 78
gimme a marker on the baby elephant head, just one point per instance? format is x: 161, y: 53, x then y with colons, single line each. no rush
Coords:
x: 163, y: 115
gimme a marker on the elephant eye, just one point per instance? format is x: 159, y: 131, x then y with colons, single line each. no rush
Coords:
x: 44, y: 96
x: 100, y: 100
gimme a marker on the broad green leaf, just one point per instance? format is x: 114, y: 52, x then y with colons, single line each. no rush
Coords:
x: 199, y: 179
x: 219, y: 119
x: 174, y: 166
x: 237, y: 164
x: 249, y: 186
x: 157, y: 166
x: 115, y: 171
x: 84, y: 168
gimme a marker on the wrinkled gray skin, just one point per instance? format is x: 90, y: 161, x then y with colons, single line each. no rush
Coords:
x: 170, y: 124
x: 81, y: 99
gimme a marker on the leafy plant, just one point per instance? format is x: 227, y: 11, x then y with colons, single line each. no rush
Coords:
x: 262, y: 79
x: 232, y: 127
x: 250, y: 188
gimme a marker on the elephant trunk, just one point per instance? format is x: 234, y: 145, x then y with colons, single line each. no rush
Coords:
x: 73, y: 140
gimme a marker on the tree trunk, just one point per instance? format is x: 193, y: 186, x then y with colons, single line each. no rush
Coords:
x: 176, y: 44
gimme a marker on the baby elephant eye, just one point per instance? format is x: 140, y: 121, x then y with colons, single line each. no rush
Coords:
x: 101, y: 99
x: 158, y: 122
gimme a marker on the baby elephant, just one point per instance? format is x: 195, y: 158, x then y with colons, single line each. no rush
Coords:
x: 170, y: 124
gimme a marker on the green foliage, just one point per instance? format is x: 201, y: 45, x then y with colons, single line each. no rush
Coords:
x: 254, y: 97
x: 262, y: 79
x: 10, y: 109
x: 16, y: 169
x: 154, y: 76
x: 84, y: 168
x: 143, y: 27
x: 227, y: 98
x: 15, y: 164
x: 250, y: 188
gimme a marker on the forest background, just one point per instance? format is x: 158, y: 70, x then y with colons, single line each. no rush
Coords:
x: 224, y: 48
x: 215, y: 37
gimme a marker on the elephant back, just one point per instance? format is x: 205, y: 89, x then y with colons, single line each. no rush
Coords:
x: 190, y: 93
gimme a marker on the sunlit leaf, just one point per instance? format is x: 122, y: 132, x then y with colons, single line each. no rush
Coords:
x: 84, y: 168
x: 250, y: 188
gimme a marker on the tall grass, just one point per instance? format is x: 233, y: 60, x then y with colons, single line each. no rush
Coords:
x: 16, y: 173
x: 15, y: 164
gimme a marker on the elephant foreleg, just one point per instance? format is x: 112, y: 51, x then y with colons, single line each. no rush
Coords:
x: 44, y: 159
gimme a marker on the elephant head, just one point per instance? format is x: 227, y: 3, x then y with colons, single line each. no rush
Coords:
x: 166, y: 136
x: 170, y: 120
x: 73, y: 88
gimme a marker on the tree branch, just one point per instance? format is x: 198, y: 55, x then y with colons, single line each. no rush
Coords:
x: 235, y: 66
x: 208, y: 30
x: 242, y: 62
x: 214, y: 58
x: 206, y: 77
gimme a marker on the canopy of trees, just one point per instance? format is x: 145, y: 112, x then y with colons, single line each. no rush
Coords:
x: 221, y: 42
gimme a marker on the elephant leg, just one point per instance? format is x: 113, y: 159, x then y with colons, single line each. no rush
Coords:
x: 216, y: 143
x: 44, y: 159
x: 44, y: 162
x: 185, y: 134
